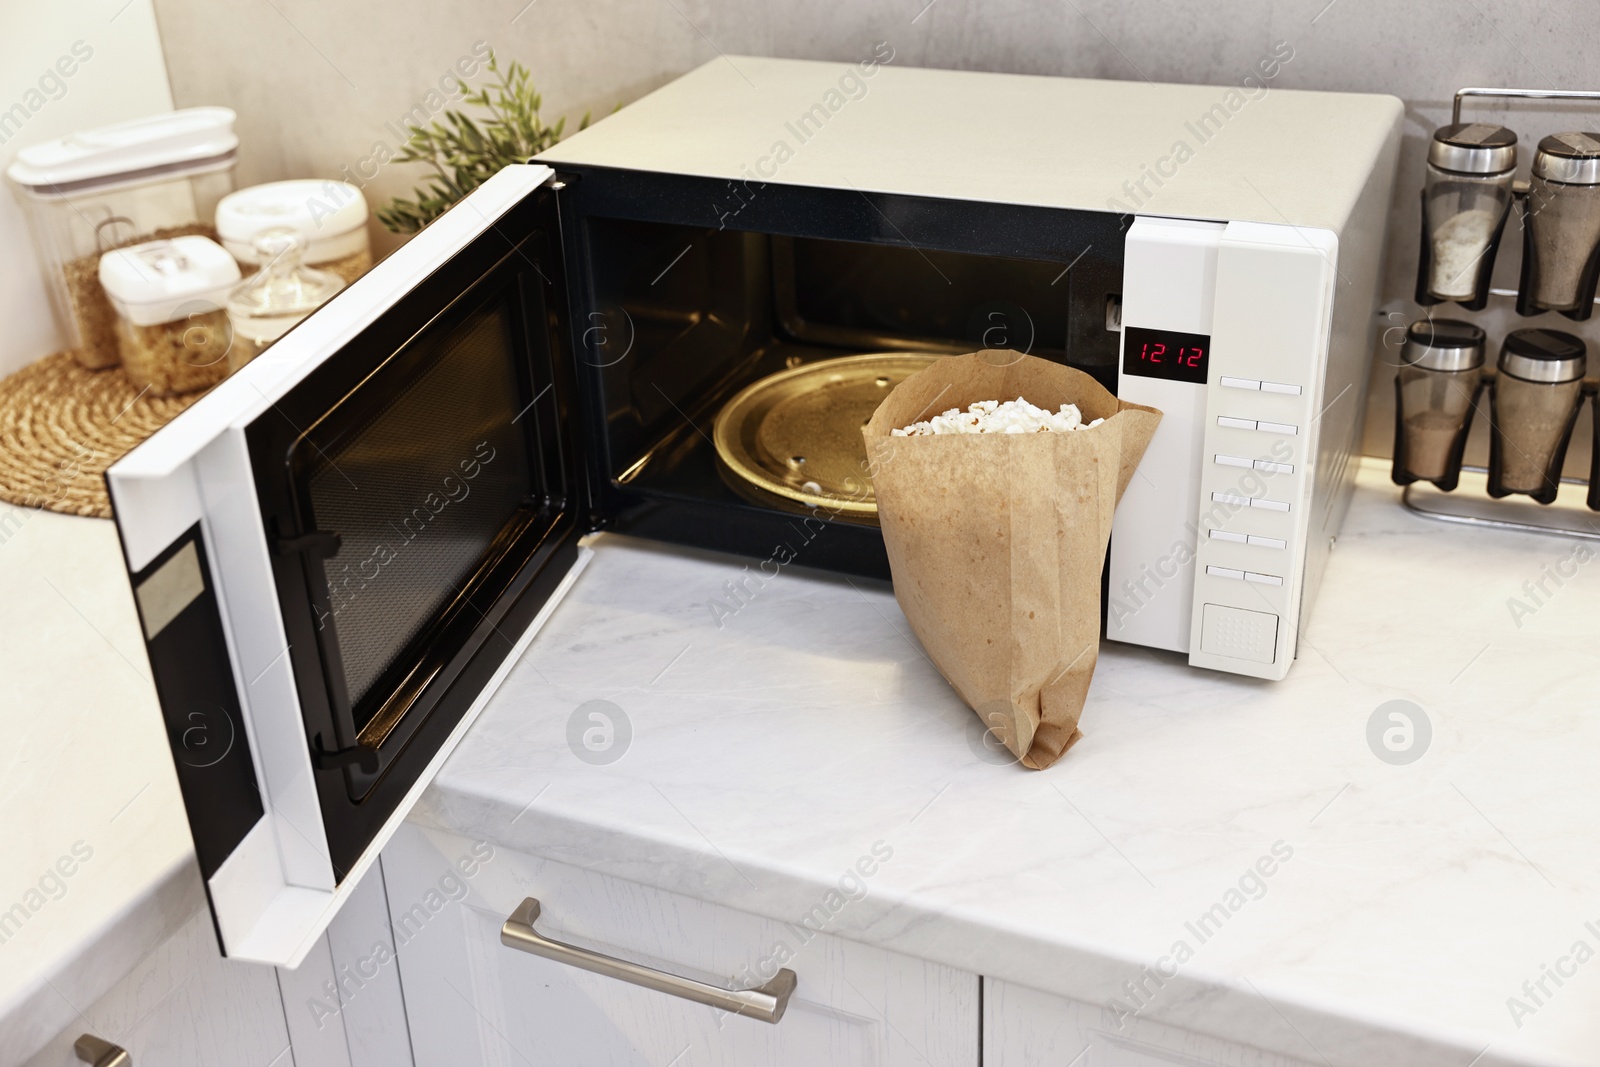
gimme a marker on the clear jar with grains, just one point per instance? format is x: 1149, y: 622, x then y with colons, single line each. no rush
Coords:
x: 1466, y: 197
x: 169, y: 296
x: 1561, y: 227
x: 1533, y: 404
x: 114, y: 187
x: 331, y: 216
x: 1436, y: 392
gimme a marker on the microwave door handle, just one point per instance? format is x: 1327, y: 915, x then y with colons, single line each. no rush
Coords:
x: 316, y: 543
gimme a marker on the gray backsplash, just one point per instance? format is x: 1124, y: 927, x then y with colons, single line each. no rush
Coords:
x: 322, y: 86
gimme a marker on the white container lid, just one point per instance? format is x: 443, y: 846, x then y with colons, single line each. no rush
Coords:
x: 163, y: 281
x: 330, y: 215
x: 189, y: 141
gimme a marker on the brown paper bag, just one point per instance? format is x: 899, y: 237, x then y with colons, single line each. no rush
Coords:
x: 997, y: 541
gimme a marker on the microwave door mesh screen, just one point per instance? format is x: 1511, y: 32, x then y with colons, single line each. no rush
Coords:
x: 418, y: 492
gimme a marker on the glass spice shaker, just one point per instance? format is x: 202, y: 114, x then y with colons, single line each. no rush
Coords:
x: 1561, y: 227
x: 1466, y: 196
x: 264, y: 306
x: 1531, y: 411
x: 1436, y: 392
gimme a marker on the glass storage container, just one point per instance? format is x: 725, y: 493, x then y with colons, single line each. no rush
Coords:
x: 331, y: 216
x: 1466, y: 196
x: 263, y: 307
x: 171, y: 328
x: 1436, y: 393
x: 1561, y: 227
x: 112, y: 187
x: 1533, y: 405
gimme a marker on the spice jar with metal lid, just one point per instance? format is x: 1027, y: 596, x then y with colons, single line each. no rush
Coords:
x: 1561, y: 227
x: 1466, y: 197
x: 1436, y: 393
x: 1532, y: 407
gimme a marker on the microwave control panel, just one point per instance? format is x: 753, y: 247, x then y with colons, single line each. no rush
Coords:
x: 1270, y: 325
x: 1226, y: 330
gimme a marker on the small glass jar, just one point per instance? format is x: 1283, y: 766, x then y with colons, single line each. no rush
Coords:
x: 331, y: 216
x: 1534, y: 403
x: 114, y: 187
x: 171, y: 328
x: 263, y: 307
x: 1561, y: 227
x: 1466, y: 196
x: 1436, y: 392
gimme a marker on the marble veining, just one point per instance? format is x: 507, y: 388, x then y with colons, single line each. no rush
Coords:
x: 98, y: 868
x: 1405, y: 904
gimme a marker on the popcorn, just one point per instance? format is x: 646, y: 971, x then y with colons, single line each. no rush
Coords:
x: 994, y: 416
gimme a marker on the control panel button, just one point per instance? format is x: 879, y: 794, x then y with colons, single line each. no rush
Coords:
x: 1232, y: 461
x: 1228, y: 535
x: 1269, y: 505
x: 1231, y: 498
x: 1286, y: 428
x: 1266, y: 542
x: 1238, y: 633
x: 1280, y: 387
x: 1269, y: 465
x: 1224, y: 572
x: 1240, y: 383
x: 1262, y: 579
x: 1236, y: 424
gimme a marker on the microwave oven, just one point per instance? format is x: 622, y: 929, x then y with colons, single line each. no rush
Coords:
x: 339, y: 551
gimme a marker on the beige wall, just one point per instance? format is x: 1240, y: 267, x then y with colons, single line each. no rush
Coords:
x: 316, y: 82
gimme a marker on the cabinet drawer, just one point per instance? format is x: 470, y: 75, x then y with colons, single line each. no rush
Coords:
x: 472, y: 1000
x: 184, y: 1006
x: 1026, y: 1028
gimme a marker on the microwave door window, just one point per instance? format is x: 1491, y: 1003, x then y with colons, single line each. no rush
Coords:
x: 418, y: 493
x: 425, y: 499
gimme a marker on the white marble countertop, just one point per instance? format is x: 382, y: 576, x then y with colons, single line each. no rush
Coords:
x: 768, y: 754
x: 96, y: 865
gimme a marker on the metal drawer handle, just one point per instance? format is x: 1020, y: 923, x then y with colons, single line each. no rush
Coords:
x: 766, y: 1003
x: 91, y: 1049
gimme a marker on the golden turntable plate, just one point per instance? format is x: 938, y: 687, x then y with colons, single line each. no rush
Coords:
x: 797, y: 434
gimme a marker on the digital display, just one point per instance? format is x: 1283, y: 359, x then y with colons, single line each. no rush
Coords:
x: 1178, y: 357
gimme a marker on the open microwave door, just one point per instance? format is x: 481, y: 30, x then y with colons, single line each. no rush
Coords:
x: 340, y: 551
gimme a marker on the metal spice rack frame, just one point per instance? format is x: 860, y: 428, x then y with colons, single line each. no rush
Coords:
x: 1562, y: 518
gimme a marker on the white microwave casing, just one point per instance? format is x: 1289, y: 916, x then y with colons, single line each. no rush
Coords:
x: 1268, y: 233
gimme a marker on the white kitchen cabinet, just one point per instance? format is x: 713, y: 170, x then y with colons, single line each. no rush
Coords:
x: 1023, y: 1027
x: 184, y: 1006
x: 471, y: 1000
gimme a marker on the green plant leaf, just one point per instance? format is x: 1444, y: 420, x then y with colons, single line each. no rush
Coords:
x: 464, y: 150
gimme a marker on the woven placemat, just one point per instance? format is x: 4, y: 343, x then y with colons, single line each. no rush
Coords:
x: 61, y: 426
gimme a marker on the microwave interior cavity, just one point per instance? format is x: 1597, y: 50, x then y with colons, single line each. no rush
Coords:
x: 678, y: 314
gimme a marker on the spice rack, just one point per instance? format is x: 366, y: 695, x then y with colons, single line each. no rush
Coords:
x: 1574, y: 511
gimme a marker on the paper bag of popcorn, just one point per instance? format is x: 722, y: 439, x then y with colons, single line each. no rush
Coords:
x: 997, y: 540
